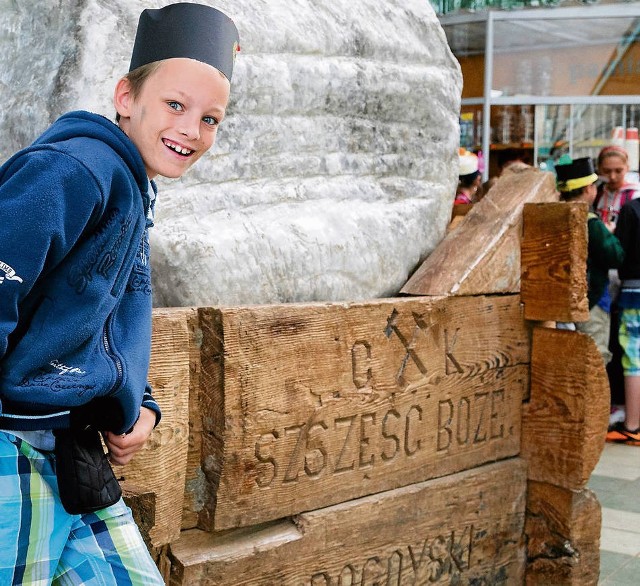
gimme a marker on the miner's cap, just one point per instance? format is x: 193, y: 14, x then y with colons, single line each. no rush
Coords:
x: 186, y: 30
x: 576, y: 174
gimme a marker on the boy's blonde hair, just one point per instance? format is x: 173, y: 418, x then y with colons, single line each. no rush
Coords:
x: 137, y: 77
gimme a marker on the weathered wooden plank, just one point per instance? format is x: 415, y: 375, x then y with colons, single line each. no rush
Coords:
x: 309, y: 405
x: 161, y: 465
x: 554, y: 262
x: 565, y: 422
x: 463, y: 529
x: 143, y: 507
x: 563, y: 536
x: 194, y: 478
x: 482, y: 255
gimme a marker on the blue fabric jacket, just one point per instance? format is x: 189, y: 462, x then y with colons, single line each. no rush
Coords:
x: 75, y: 283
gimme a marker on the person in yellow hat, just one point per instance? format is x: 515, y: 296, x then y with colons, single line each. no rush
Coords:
x: 576, y: 181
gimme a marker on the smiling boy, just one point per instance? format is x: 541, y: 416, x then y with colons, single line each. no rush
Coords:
x: 75, y: 301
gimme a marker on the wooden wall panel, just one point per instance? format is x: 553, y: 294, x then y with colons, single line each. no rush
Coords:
x: 463, y: 529
x: 308, y: 405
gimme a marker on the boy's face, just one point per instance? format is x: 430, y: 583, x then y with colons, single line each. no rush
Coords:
x: 590, y: 192
x: 174, y: 118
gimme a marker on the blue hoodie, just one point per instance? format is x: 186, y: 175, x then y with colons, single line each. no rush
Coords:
x: 75, y: 283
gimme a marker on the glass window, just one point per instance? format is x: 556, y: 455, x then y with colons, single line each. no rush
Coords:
x: 467, y: 41
x: 566, y: 57
x: 580, y: 130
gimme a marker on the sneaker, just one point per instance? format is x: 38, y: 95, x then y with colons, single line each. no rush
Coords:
x: 619, y: 434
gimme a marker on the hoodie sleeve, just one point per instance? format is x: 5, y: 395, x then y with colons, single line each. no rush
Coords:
x: 47, y: 198
x: 150, y: 403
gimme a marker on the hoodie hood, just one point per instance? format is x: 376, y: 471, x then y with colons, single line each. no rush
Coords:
x: 88, y: 125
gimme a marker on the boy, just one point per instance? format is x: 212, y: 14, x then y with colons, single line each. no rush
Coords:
x: 577, y: 182
x: 75, y: 301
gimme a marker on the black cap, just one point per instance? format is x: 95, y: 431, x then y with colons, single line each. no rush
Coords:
x: 579, y: 173
x: 191, y: 31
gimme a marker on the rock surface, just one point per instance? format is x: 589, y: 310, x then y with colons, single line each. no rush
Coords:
x: 334, y: 172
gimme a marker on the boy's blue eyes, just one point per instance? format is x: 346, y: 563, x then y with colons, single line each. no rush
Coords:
x: 209, y: 120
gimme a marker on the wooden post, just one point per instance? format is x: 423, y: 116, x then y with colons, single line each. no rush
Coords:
x: 554, y: 266
x: 565, y: 421
x: 161, y: 465
x: 563, y: 536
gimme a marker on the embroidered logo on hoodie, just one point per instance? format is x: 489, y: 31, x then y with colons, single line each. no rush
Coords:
x: 9, y: 273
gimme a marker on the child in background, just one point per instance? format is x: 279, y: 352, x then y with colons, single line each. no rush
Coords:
x: 613, y: 192
x: 75, y: 302
x: 628, y: 232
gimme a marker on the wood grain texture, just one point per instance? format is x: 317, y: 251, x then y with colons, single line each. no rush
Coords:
x: 482, y: 254
x: 194, y: 478
x: 565, y: 421
x: 563, y: 536
x: 143, y: 507
x: 462, y: 529
x: 309, y: 405
x: 554, y: 262
x: 161, y: 465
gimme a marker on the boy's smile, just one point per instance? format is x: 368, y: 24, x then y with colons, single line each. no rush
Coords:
x: 174, y: 119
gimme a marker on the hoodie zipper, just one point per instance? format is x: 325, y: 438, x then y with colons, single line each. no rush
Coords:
x: 111, y: 354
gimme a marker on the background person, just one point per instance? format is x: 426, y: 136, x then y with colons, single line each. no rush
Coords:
x: 628, y: 232
x: 469, y: 178
x: 577, y: 182
x: 613, y: 192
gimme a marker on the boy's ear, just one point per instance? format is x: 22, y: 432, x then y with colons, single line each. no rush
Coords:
x: 122, y: 98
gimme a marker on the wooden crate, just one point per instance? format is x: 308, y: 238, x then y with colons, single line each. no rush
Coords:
x: 385, y: 442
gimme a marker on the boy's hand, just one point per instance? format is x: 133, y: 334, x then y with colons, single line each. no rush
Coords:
x: 122, y: 448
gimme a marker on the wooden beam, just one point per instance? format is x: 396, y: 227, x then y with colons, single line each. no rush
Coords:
x: 161, y: 465
x: 142, y: 503
x: 554, y: 262
x: 195, y: 482
x: 563, y: 536
x: 463, y: 529
x: 482, y: 255
x: 565, y: 422
x: 309, y: 405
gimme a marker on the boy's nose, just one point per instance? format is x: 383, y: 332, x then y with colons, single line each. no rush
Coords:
x: 190, y: 129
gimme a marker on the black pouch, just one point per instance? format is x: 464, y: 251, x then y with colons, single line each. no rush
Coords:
x: 86, y: 481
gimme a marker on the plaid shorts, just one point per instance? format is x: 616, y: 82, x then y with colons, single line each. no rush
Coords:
x: 629, y: 337
x: 41, y: 544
